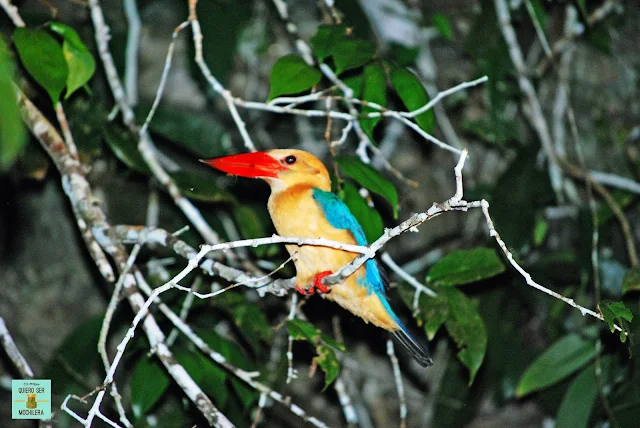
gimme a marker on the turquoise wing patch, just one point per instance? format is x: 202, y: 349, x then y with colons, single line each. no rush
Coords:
x: 339, y: 216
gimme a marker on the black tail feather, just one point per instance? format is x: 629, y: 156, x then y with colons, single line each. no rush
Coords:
x: 418, y: 351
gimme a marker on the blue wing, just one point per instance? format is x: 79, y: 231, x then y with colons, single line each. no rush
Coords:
x: 339, y: 216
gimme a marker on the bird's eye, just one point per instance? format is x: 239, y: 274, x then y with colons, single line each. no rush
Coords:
x: 290, y: 160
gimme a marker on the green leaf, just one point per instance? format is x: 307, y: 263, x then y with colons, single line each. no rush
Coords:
x: 577, y: 404
x: 519, y: 192
x: 348, y: 54
x: 326, y: 38
x: 125, y: 147
x: 79, y: 60
x: 413, y: 95
x: 442, y: 23
x: 12, y: 137
x: 631, y: 281
x: 224, y: 24
x: 200, y: 187
x: 248, y: 317
x: 465, y: 266
x: 303, y: 330
x: 451, y: 308
x: 291, y: 75
x: 467, y: 329
x: 326, y: 357
x: 369, y: 218
x: 205, y: 372
x: 560, y: 360
x: 540, y: 230
x: 369, y: 178
x: 252, y: 225
x: 582, y: 4
x: 616, y: 313
x: 200, y: 134
x: 43, y: 59
x: 539, y: 14
x: 375, y: 91
x: 329, y: 363
x: 149, y: 381
x: 356, y: 83
x: 402, y: 55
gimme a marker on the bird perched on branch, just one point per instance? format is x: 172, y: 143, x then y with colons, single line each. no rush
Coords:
x: 302, y: 205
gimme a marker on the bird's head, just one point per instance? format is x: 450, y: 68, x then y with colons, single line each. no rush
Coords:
x: 281, y: 168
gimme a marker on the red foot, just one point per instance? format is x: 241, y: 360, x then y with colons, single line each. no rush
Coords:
x: 304, y: 291
x: 316, y: 286
x: 317, y: 282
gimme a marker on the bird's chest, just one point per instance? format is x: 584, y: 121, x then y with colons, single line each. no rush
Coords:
x: 299, y: 215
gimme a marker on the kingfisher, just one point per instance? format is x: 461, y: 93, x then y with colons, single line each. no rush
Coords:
x: 302, y: 205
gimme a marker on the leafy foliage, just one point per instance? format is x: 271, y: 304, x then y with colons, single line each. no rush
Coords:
x: 368, y: 177
x: 325, y: 347
x: 291, y: 75
x: 42, y: 57
x: 461, y: 318
x: 560, y: 360
x: 616, y: 312
x: 149, y: 381
x: 465, y: 266
x: 368, y: 217
x: 12, y: 137
x: 413, y: 95
x: 79, y: 60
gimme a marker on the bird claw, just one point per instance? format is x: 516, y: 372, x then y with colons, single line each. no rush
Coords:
x: 316, y: 286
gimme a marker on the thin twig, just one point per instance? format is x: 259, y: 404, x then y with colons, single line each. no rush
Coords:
x: 19, y: 362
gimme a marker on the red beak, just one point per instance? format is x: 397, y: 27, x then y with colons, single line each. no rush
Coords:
x: 251, y: 165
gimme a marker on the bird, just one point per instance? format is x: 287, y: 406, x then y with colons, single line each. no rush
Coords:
x: 302, y: 205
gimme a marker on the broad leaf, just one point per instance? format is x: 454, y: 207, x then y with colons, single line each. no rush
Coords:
x: 375, y: 90
x: 369, y: 218
x: 465, y: 266
x: 466, y: 327
x: 329, y: 363
x: 125, y: 147
x: 200, y: 134
x: 616, y: 313
x: 631, y: 281
x: 42, y: 57
x: 248, y: 317
x: 12, y: 138
x: 442, y: 23
x: 149, y: 381
x: 252, y: 225
x: 459, y: 315
x: 326, y: 357
x: 576, y: 406
x: 369, y: 178
x: 520, y: 191
x: 224, y: 25
x: 205, y: 372
x: 326, y: 38
x: 200, y: 187
x: 303, y: 330
x: 291, y: 75
x: 413, y: 95
x: 560, y: 360
x: 348, y: 54
x: 79, y: 60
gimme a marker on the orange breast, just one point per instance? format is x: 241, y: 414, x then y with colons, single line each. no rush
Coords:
x: 295, y: 213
